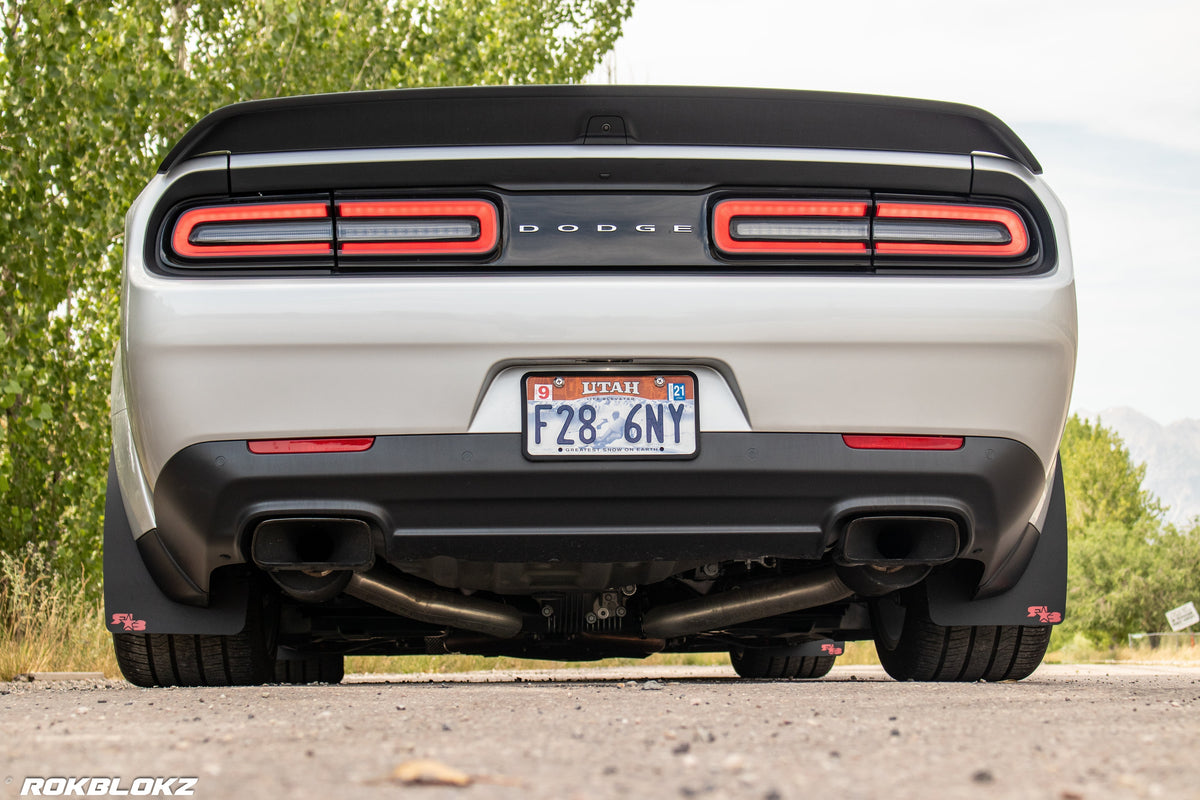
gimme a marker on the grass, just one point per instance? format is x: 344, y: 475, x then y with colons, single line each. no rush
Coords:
x: 1082, y: 650
x: 49, y: 623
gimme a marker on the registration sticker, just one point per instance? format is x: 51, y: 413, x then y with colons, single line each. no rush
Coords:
x: 626, y: 415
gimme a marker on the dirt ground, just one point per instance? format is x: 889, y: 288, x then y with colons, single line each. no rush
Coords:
x: 1066, y: 733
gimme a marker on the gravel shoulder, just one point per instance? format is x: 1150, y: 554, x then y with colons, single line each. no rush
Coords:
x: 1068, y: 732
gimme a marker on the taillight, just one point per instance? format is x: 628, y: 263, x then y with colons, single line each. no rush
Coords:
x: 791, y: 227
x: 887, y: 231
x: 927, y: 229
x: 417, y: 227
x: 294, y: 446
x: 889, y: 442
x: 269, y: 230
x: 312, y: 233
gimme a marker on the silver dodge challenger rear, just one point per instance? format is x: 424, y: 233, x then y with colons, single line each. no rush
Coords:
x: 590, y: 371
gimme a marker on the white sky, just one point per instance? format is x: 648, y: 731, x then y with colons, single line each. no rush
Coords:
x: 1107, y: 95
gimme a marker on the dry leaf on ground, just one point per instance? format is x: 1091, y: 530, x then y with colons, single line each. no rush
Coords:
x: 428, y: 772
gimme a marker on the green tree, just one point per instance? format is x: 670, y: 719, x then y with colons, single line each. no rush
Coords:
x: 1102, y: 483
x: 1126, y: 567
x: 1123, y: 580
x: 92, y: 96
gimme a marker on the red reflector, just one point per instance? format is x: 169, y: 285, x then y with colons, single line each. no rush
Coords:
x: 479, y: 210
x: 726, y: 210
x: 181, y: 238
x: 276, y: 446
x: 903, y: 442
x: 1018, y: 237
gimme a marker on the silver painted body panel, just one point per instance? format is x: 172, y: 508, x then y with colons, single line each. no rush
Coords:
x: 135, y: 493
x: 244, y: 358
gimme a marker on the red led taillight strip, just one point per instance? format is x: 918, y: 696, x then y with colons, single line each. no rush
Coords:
x: 866, y: 442
x: 480, y: 211
x: 189, y: 221
x: 283, y: 446
x: 834, y: 227
x: 727, y: 210
x: 1017, y: 245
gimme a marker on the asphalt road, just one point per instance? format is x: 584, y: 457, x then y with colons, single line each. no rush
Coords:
x: 1066, y: 733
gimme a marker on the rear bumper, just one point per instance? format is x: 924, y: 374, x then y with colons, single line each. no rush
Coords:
x: 475, y: 498
x: 223, y: 360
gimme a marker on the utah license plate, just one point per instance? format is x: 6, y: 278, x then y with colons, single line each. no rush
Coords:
x: 647, y: 415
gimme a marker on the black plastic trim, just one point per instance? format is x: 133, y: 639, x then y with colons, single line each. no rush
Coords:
x: 476, y: 497
x: 563, y: 115
x: 171, y: 578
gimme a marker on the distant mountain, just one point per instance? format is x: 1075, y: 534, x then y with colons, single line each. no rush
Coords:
x: 1171, y: 453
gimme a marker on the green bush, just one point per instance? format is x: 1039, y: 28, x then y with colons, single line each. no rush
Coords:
x: 1127, y: 568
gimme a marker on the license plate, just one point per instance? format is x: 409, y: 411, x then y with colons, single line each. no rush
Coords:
x: 644, y: 415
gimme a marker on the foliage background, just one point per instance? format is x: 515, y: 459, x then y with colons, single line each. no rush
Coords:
x: 1126, y: 566
x: 93, y: 94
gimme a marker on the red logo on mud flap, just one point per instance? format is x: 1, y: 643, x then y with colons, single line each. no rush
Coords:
x: 831, y: 649
x: 1044, y: 614
x: 128, y: 623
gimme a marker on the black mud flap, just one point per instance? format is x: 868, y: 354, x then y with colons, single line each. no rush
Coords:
x: 133, y: 602
x: 821, y: 647
x: 1035, y: 596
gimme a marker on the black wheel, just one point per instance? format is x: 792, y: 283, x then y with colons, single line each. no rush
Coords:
x: 778, y: 663
x: 317, y: 669
x: 179, y: 659
x: 920, y: 650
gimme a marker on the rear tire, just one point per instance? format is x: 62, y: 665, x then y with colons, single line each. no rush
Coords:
x: 925, y: 651
x: 778, y: 664
x: 317, y: 669
x: 173, y: 659
x: 180, y: 659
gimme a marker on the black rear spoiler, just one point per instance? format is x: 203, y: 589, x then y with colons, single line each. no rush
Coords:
x: 555, y: 115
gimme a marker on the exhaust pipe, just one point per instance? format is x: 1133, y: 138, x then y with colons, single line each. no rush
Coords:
x: 773, y: 597
x: 746, y: 604
x: 314, y: 559
x: 436, y: 606
x: 621, y: 646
